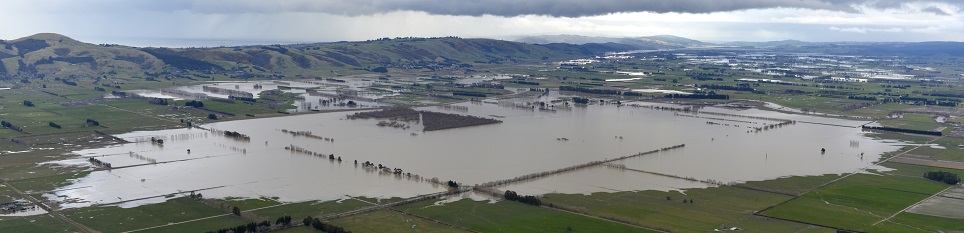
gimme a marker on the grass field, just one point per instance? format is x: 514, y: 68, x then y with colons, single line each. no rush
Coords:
x: 507, y: 216
x: 390, y: 221
x: 211, y: 224
x: 912, y: 121
x: 951, y: 150
x: 859, y: 201
x: 37, y: 223
x: 71, y: 114
x: 911, y: 222
x: 795, y: 185
x: 46, y: 183
x: 711, y: 208
x: 912, y: 138
x: 301, y: 210
x: 879, y: 110
x: 25, y: 165
x: 116, y: 219
x: 7, y: 194
x: 250, y: 203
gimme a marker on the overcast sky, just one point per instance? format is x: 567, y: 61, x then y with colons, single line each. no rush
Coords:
x: 231, y: 22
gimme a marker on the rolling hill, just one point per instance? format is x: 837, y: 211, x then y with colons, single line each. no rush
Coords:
x: 53, y: 55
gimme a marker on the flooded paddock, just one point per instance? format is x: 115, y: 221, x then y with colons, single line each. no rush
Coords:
x: 721, y: 145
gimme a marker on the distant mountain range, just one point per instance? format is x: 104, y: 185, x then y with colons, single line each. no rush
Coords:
x: 54, y: 55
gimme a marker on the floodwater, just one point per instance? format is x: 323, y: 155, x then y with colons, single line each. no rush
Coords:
x: 528, y: 141
x: 325, y: 90
x: 243, y: 86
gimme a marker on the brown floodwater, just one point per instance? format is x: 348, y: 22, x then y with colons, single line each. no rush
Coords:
x: 526, y: 142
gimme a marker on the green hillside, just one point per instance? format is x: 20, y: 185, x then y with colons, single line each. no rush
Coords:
x: 53, y: 55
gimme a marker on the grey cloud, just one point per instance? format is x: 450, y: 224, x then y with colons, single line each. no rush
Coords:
x: 558, y: 8
x: 509, y: 8
x: 935, y: 10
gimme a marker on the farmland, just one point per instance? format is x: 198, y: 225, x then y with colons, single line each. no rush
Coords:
x: 570, y: 136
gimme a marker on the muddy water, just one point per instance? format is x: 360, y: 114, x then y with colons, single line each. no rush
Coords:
x: 527, y: 142
x: 601, y: 179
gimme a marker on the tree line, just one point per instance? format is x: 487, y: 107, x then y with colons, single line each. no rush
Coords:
x: 263, y: 226
x: 9, y: 125
x: 710, y: 95
x: 580, y: 100
x: 590, y: 90
x: 396, y: 113
x: 527, y: 199
x: 867, y: 98
x: 523, y: 82
x: 322, y: 226
x: 467, y: 93
x: 899, y: 130
x: 194, y: 103
x: 942, y: 176
x: 158, y: 101
x: 246, y: 99
x: 235, y: 134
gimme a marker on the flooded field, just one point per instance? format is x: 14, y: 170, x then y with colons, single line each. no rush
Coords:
x: 721, y: 145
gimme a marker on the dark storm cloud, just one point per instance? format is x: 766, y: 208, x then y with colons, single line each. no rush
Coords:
x: 509, y: 8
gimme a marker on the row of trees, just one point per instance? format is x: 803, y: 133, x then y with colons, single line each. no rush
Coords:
x: 523, y: 82
x: 396, y: 113
x: 580, y: 100
x: 527, y: 199
x: 158, y: 101
x: 740, y: 87
x: 590, y: 90
x: 235, y: 134
x: 97, y: 162
x: 280, y: 223
x: 867, y: 98
x: 9, y: 125
x: 710, y: 95
x: 263, y: 226
x: 942, y: 176
x: 319, y: 225
x: 194, y: 103
x: 468, y: 93
x: 899, y: 130
x: 246, y: 99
